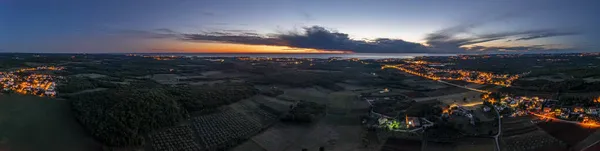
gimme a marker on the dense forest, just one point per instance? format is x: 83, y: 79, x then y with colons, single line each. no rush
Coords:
x: 121, y: 117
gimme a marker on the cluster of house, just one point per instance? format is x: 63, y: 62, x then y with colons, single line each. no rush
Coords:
x: 458, y: 110
x: 35, y: 84
x: 519, y: 105
x: 547, y: 107
x: 384, y: 114
x: 577, y: 113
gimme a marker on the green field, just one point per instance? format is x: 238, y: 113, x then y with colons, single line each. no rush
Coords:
x: 35, y: 123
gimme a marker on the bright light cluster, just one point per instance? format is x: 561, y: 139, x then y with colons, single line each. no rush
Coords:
x: 35, y: 84
x: 478, y: 77
x: 546, y: 109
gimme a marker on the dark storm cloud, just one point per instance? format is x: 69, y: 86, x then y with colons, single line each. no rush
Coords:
x: 546, y: 35
x: 314, y: 37
x: 390, y: 46
x: 318, y: 38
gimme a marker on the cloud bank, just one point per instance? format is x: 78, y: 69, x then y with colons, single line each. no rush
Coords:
x: 317, y: 37
x: 314, y: 37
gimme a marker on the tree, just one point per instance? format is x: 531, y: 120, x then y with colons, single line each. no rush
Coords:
x: 304, y: 112
x: 122, y: 117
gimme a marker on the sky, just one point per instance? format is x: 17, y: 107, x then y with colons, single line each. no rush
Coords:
x: 299, y: 26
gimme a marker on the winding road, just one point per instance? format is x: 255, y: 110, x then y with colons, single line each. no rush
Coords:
x: 499, y: 130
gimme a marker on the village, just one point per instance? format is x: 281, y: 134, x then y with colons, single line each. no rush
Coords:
x: 549, y: 109
x: 506, y: 104
x: 26, y: 81
x: 493, y: 120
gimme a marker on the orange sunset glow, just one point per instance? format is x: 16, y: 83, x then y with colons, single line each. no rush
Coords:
x: 215, y: 47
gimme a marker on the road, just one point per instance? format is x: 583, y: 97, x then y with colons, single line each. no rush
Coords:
x: 499, y: 130
x: 588, y: 142
x: 455, y: 95
x: 564, y: 121
x: 464, y: 87
x: 591, y: 140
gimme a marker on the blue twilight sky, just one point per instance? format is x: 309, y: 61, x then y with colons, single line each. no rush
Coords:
x: 457, y: 26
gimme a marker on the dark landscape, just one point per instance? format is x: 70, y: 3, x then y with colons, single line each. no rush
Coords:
x: 129, y: 101
x: 299, y: 75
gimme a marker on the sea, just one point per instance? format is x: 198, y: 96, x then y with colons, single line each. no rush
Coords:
x: 309, y: 55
